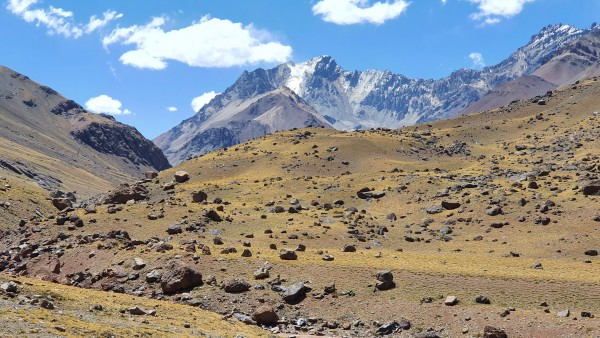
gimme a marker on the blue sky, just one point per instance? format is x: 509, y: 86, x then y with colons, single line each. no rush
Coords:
x: 146, y: 61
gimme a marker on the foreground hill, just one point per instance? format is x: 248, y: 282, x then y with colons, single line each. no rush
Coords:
x: 437, y: 230
x: 41, y: 309
x: 56, y: 143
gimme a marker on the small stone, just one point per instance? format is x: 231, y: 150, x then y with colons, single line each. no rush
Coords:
x: 451, y: 301
x: 288, y: 255
x: 537, y: 265
x: 328, y: 257
x: 450, y: 204
x: 199, y: 196
x: 235, y: 285
x: 138, y: 263
x: 591, y: 253
x: 46, y: 304
x: 261, y: 273
x: 153, y: 276
x: 349, y: 248
x: 9, y: 287
x: 136, y: 311
x: 446, y: 230
x: 174, y: 229
x: 481, y: 299
x: 494, y: 211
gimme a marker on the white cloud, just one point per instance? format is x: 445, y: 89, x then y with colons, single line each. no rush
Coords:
x: 202, y: 100
x: 172, y: 109
x: 106, y: 105
x: 57, y: 20
x: 348, y: 12
x: 444, y: 2
x: 492, y: 11
x: 477, y: 60
x: 96, y: 23
x: 211, y: 42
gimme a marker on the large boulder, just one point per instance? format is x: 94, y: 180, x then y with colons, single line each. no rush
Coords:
x: 62, y: 203
x: 449, y: 204
x: 235, y: 285
x: 349, y: 248
x: 385, y: 280
x: 295, y: 292
x: 265, y: 315
x: 181, y: 176
x: 288, y: 255
x: 493, y: 332
x: 366, y: 193
x: 126, y: 192
x: 199, y: 196
x: 393, y: 327
x: 179, y: 276
x: 590, y: 188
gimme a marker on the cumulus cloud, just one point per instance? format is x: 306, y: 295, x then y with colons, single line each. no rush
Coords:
x: 477, y: 60
x: 349, y: 12
x: 57, y: 20
x: 172, y: 109
x: 493, y: 11
x: 202, y: 100
x: 105, y: 104
x: 211, y: 42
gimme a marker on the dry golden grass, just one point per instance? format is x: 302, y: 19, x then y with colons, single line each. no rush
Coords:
x: 72, y: 317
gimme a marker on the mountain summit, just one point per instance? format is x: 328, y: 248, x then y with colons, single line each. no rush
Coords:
x: 373, y: 98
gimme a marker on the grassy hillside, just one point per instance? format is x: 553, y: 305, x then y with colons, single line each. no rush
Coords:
x: 490, y: 204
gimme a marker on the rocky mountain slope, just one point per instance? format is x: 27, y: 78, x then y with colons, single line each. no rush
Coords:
x: 480, y: 225
x: 238, y: 120
x: 372, y: 98
x: 523, y: 87
x: 574, y: 61
x: 571, y: 62
x: 53, y: 141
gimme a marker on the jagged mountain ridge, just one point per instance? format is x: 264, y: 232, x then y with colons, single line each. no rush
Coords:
x: 54, y: 141
x: 373, y: 98
x: 574, y: 61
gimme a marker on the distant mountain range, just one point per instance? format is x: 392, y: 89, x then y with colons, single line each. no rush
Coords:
x: 58, y: 144
x: 321, y: 92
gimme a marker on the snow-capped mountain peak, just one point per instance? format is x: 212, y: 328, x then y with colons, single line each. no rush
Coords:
x: 362, y: 99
